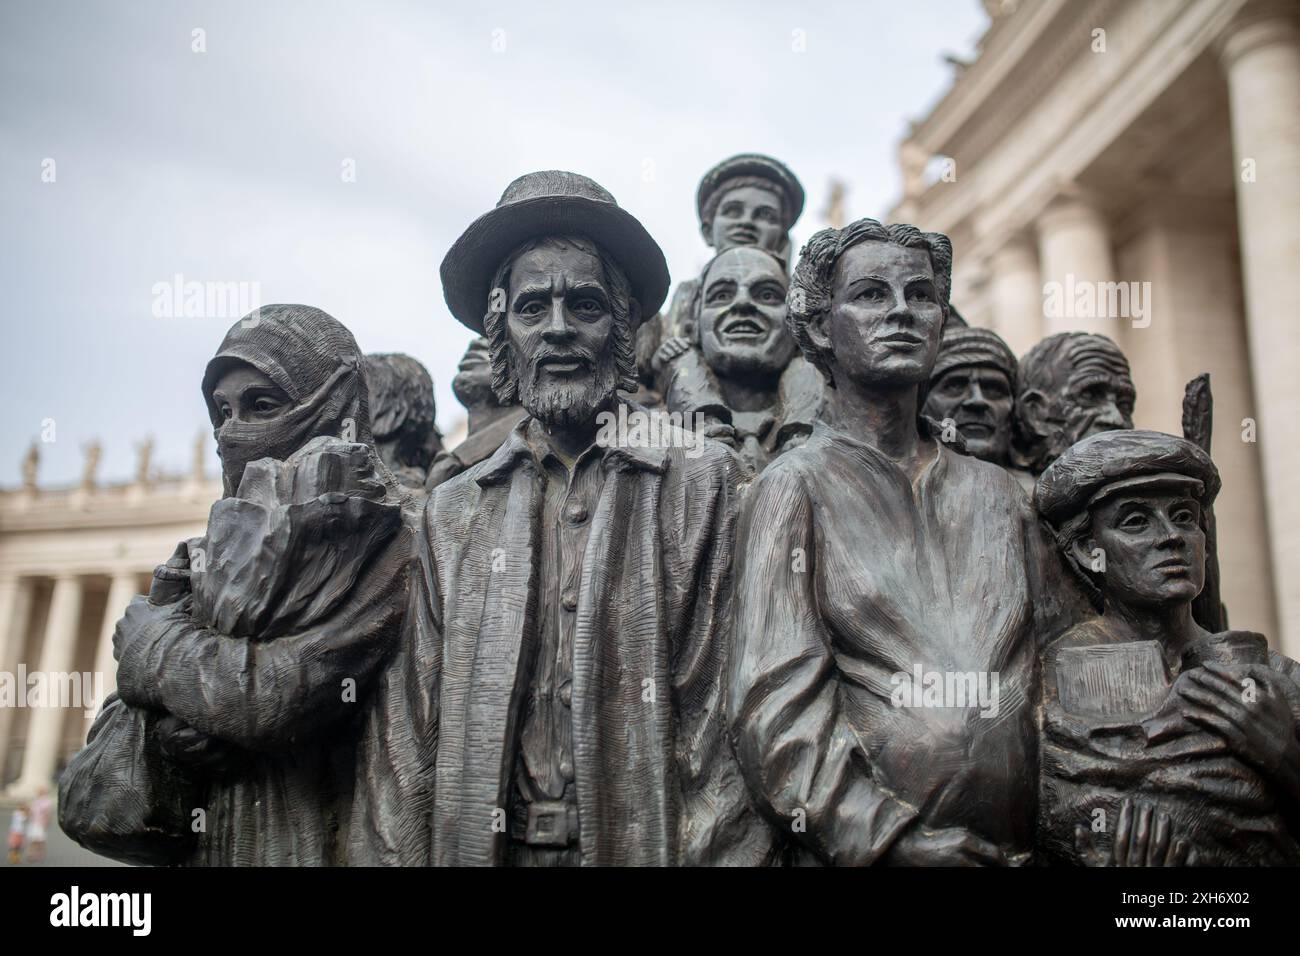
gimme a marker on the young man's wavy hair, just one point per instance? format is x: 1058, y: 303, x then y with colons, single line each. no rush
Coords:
x: 814, y: 277
x: 496, y: 328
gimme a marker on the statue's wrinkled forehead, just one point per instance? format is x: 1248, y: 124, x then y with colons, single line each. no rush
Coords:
x: 1097, y: 356
x: 744, y: 263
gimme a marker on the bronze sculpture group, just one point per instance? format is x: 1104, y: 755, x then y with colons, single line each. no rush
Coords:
x: 855, y: 587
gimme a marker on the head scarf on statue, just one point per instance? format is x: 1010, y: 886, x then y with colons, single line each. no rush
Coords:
x: 302, y: 379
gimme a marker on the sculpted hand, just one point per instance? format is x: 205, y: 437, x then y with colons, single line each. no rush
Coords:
x: 1143, y: 837
x: 171, y: 581
x: 720, y: 431
x: 954, y: 846
x: 670, y: 350
x: 193, y: 748
x: 140, y: 614
x: 1257, y: 722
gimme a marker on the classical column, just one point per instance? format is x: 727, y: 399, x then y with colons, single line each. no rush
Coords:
x: 1077, y: 266
x: 1261, y: 56
x: 58, y: 652
x: 15, y: 612
x: 1017, y: 293
x: 124, y: 586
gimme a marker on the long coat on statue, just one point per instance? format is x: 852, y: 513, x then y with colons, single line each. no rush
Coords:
x: 656, y: 780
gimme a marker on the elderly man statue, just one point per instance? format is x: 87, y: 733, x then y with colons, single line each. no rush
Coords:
x: 1197, y: 732
x: 1071, y: 385
x: 892, y: 592
x: 744, y: 374
x: 561, y: 675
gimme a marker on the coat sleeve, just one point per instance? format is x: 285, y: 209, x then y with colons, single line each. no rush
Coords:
x: 801, y: 757
x: 392, y: 802
x: 720, y: 824
x: 264, y: 695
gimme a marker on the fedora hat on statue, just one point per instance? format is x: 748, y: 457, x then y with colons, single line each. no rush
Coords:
x: 550, y: 203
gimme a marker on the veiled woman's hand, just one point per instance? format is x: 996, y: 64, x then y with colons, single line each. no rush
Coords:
x: 194, y: 749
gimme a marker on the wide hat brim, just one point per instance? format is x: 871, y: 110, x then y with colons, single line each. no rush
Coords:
x: 474, y: 258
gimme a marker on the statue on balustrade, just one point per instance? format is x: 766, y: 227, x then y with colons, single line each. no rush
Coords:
x: 490, y: 422
x: 892, y: 592
x: 745, y: 200
x: 1071, y: 385
x: 560, y: 674
x: 1141, y: 705
x: 744, y: 374
x: 403, y: 416
x: 241, y: 677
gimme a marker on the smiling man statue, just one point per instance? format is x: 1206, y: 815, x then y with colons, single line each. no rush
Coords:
x: 561, y: 671
x: 745, y: 373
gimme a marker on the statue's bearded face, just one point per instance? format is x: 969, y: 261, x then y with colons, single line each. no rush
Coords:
x: 978, y: 400
x: 1093, y: 393
x: 885, y: 317
x: 473, y: 382
x: 742, y: 315
x: 1153, y: 545
x: 559, y: 325
x: 748, y: 216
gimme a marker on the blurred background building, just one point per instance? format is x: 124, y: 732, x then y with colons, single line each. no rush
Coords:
x: 1103, y: 141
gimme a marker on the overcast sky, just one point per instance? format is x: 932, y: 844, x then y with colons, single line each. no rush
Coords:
x: 228, y: 165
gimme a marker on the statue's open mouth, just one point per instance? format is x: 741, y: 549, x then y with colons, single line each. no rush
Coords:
x: 744, y: 329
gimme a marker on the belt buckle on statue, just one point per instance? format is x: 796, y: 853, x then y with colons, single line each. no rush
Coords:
x: 548, y: 823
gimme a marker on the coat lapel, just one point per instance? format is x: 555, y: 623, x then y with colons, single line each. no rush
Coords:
x: 622, y: 686
x: 490, y: 631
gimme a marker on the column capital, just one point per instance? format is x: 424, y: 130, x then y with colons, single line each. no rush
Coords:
x: 1072, y: 203
x: 1260, y: 23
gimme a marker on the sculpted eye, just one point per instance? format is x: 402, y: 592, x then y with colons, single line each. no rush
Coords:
x: 1184, y: 516
x: 766, y: 215
x: 265, y: 405
x: 532, y: 308
x: 1134, y: 522
x: 871, y: 294
x: 226, y: 413
x: 588, y: 307
x: 920, y: 295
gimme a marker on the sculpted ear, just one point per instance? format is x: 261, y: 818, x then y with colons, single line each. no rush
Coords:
x: 1081, y: 550
x: 706, y: 230
x: 816, y: 333
x: 1031, y: 406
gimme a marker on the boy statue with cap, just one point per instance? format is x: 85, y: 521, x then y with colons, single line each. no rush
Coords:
x: 560, y: 675
x: 1141, y: 706
x: 745, y: 200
